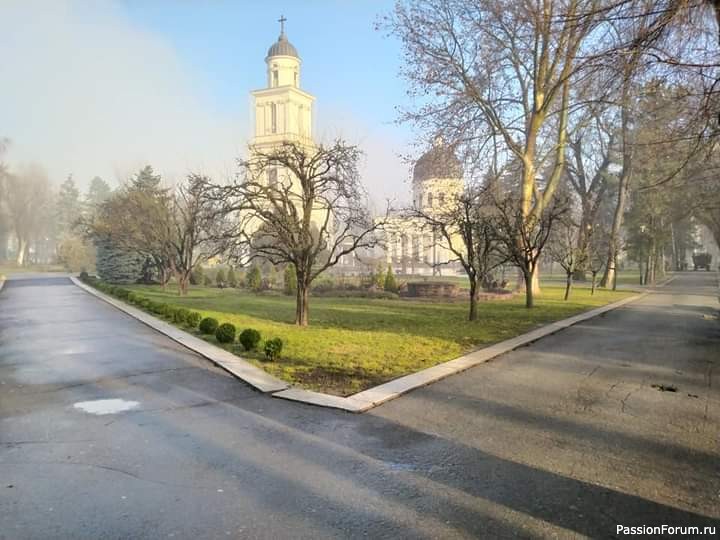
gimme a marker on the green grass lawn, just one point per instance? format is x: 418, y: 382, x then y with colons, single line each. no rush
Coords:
x: 355, y: 343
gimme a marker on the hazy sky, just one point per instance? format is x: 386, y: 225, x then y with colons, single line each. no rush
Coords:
x: 95, y: 87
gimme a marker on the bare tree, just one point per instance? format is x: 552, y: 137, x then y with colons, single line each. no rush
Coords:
x: 523, y: 237
x: 196, y: 229
x: 28, y: 201
x: 496, y: 78
x: 566, y: 250
x: 590, y: 144
x: 466, y: 227
x: 298, y: 204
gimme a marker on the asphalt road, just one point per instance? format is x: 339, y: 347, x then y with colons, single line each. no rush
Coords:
x: 567, y: 437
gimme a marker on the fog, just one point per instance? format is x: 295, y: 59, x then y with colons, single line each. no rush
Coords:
x: 84, y: 91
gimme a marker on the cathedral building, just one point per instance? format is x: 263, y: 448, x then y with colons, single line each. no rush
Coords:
x: 413, y: 247
x: 284, y: 113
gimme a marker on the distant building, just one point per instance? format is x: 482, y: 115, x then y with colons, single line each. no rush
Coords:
x: 412, y: 247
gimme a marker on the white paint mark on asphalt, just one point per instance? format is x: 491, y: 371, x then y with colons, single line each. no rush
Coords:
x: 106, y: 406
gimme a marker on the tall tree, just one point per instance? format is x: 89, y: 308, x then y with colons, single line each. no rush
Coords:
x: 496, y: 77
x: 67, y: 207
x: 29, y: 203
x: 97, y: 193
x: 197, y: 229
x: 4, y: 222
x: 137, y: 219
x: 466, y: 227
x: 299, y: 205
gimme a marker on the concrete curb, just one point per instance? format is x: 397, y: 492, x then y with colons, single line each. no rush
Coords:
x: 243, y: 370
x: 372, y: 397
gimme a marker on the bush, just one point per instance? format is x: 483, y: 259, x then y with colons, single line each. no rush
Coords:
x: 273, y: 348
x: 84, y: 276
x: 170, y: 312
x: 249, y: 339
x: 225, y: 333
x: 208, y: 325
x: 290, y: 280
x: 144, y: 303
x: 220, y: 278
x: 372, y: 294
x: 181, y: 316
x: 132, y: 297
x: 253, y: 280
x: 324, y: 284
x: 207, y: 281
x: 193, y: 319
x: 196, y: 276
x: 232, y: 278
x: 390, y: 282
x: 159, y: 308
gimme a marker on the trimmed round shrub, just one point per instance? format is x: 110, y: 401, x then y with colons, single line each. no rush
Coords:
x: 84, y: 276
x: 132, y: 297
x: 181, y: 315
x: 249, y: 339
x: 160, y: 308
x: 208, y: 325
x: 145, y: 303
x: 225, y: 333
x: 273, y: 348
x: 193, y: 319
x: 170, y: 312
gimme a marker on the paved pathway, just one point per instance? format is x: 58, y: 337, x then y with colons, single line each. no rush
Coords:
x: 566, y: 437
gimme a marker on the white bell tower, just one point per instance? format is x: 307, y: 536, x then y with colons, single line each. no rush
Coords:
x: 283, y: 112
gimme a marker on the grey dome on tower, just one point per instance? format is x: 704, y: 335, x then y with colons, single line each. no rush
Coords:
x: 282, y: 47
x: 438, y: 162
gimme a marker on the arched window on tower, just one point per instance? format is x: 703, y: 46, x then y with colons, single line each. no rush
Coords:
x: 275, y: 78
x: 273, y: 118
x: 295, y: 79
x: 430, y: 200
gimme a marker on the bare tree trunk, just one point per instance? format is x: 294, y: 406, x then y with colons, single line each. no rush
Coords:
x: 522, y: 282
x: 610, y: 277
x: 568, y: 284
x: 301, y: 306
x: 529, y: 294
x: 21, y: 252
x: 473, y: 315
x: 580, y: 274
x: 302, y: 297
x: 592, y: 286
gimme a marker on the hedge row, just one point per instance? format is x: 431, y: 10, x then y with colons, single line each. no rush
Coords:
x: 224, y: 333
x: 181, y: 316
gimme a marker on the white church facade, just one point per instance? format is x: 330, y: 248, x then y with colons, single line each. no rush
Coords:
x: 283, y: 112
